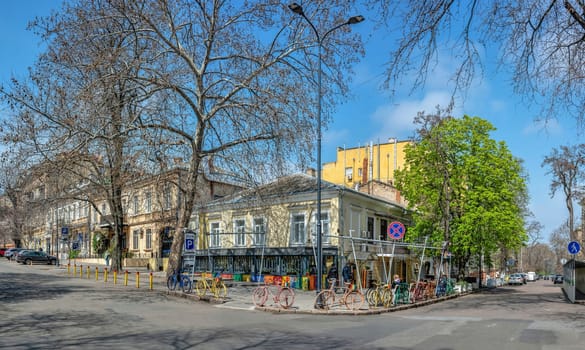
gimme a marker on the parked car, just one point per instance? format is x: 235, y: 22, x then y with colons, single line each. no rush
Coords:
x: 2, y: 250
x: 531, y: 276
x: 30, y: 257
x: 515, y: 279
x: 558, y: 279
x: 10, y: 254
x: 524, y: 277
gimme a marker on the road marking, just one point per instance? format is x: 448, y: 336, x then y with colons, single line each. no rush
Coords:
x: 232, y: 307
x: 443, y: 318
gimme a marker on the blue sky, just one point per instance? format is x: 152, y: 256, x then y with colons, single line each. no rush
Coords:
x: 370, y: 115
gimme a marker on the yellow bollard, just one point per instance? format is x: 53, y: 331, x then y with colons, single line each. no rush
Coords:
x: 68, y: 269
x: 137, y: 279
x: 87, y: 271
x: 150, y: 282
x: 97, y: 273
x: 74, y: 270
x: 125, y: 278
x: 80, y: 270
x: 105, y: 274
x: 115, y: 276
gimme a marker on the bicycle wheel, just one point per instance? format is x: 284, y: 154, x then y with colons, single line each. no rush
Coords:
x: 370, y: 297
x: 324, y: 300
x: 171, y: 282
x: 386, y: 297
x: 259, y: 296
x: 354, y: 300
x: 286, y: 297
x: 219, y: 289
x: 186, y: 284
x: 200, y: 287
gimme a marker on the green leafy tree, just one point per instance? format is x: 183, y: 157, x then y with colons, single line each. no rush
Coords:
x: 466, y: 189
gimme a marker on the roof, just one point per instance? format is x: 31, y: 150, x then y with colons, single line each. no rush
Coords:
x: 296, y: 184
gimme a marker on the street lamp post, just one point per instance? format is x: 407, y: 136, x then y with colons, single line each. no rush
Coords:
x: 298, y: 9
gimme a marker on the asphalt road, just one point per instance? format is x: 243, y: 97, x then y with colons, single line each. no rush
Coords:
x: 40, y: 308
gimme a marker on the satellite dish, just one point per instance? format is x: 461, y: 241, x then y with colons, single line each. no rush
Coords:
x: 563, y: 261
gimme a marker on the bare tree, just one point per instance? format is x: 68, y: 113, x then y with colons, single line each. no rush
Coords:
x: 238, y: 81
x: 559, y: 241
x: 566, y: 167
x: 542, y: 42
x: 227, y: 85
x: 77, y: 114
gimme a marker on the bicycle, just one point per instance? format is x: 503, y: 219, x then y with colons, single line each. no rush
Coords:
x: 284, y: 296
x: 379, y: 295
x: 401, y: 294
x: 352, y: 299
x: 180, y: 279
x: 213, y: 284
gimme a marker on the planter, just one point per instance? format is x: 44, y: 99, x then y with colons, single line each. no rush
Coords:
x: 268, y: 279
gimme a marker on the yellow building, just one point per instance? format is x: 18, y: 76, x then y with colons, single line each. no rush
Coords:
x: 369, y: 169
x: 362, y: 164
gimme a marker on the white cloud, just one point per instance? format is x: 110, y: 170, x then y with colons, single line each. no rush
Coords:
x: 396, y: 120
x: 549, y: 127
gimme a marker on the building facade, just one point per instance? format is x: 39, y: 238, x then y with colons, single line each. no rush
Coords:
x: 270, y: 230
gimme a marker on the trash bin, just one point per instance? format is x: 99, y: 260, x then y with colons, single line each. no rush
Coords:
x: 312, y: 282
x: 305, y: 283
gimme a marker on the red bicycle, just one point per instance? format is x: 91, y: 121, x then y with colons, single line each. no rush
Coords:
x: 284, y: 296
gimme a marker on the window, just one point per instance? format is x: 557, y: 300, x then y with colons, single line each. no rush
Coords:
x: 214, y: 232
x: 298, y: 235
x: 349, y: 174
x: 135, y: 205
x: 259, y: 231
x: 325, y: 228
x: 240, y: 232
x: 167, y: 197
x: 135, y: 238
x: 148, y: 238
x: 148, y: 202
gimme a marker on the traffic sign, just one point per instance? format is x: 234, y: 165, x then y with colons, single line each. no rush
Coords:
x: 396, y: 230
x: 189, y: 242
x: 574, y: 247
x: 64, y: 231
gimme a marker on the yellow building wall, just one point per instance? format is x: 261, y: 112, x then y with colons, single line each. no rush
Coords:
x: 378, y: 161
x: 278, y: 222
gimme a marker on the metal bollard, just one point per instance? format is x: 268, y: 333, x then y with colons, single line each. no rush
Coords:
x: 74, y: 270
x: 80, y: 270
x: 126, y: 278
x: 115, y: 276
x: 105, y: 274
x: 97, y: 274
x: 151, y: 281
x: 137, y: 279
x: 68, y: 269
x: 87, y: 272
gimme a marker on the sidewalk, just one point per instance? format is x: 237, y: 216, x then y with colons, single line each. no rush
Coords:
x: 239, y: 293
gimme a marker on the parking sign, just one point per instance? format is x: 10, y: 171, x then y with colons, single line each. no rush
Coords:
x: 189, y: 242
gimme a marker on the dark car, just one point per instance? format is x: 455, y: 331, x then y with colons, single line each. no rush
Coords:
x: 558, y: 279
x: 34, y: 257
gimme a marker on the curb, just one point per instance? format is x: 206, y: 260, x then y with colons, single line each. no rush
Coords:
x: 360, y: 312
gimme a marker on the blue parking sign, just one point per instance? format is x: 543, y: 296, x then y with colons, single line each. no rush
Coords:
x: 189, y: 242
